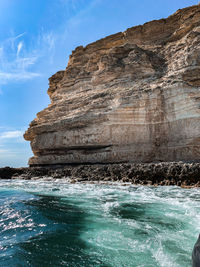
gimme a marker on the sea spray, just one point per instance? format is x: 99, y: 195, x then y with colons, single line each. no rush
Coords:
x: 55, y: 223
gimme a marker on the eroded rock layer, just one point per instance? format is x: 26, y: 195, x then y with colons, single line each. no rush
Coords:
x: 131, y: 97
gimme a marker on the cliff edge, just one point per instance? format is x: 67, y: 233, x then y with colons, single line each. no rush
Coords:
x: 131, y: 97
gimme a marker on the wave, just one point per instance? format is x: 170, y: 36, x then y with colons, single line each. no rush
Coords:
x: 55, y: 223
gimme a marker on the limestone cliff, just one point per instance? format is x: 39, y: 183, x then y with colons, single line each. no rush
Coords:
x: 132, y: 96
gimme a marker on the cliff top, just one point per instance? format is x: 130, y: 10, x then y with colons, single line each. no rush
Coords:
x: 155, y: 31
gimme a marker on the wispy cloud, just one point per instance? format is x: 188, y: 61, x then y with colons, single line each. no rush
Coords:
x: 82, y: 8
x: 73, y: 3
x: 10, y: 140
x: 48, y: 40
x: 19, y: 48
x: 13, y: 147
x: 15, y: 37
x: 15, y: 61
x: 3, y: 151
x: 19, y: 76
x: 8, y: 154
x: 11, y: 134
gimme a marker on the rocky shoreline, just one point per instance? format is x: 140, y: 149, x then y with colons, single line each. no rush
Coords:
x: 165, y: 173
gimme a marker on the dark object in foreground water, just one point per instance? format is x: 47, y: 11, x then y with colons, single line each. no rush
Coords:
x: 196, y: 254
x: 55, y: 189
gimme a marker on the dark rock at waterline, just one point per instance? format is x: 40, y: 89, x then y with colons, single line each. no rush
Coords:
x: 7, y: 172
x: 25, y: 173
x: 165, y: 173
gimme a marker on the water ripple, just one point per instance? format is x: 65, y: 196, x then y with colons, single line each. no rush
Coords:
x: 56, y: 223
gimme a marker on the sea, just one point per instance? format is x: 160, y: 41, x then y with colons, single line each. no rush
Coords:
x: 57, y: 223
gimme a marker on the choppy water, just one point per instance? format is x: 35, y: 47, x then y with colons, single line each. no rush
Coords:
x: 45, y: 223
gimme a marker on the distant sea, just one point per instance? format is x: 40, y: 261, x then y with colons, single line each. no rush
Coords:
x: 55, y: 223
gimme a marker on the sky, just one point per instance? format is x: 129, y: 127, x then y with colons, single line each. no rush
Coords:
x: 36, y: 39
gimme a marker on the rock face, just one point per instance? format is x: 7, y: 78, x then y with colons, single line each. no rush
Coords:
x: 162, y: 173
x: 131, y: 97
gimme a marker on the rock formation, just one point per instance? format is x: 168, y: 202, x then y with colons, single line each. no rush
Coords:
x: 131, y: 97
x: 182, y: 174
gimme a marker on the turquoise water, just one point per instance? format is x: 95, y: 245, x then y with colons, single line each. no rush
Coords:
x: 54, y: 223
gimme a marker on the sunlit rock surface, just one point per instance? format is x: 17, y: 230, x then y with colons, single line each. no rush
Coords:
x: 131, y: 97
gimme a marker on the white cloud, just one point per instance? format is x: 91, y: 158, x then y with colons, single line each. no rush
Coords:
x: 13, y: 65
x: 18, y: 36
x: 46, y: 43
x: 6, y: 153
x: 13, y: 149
x: 10, y: 140
x: 19, y: 48
x: 25, y: 62
x: 6, y: 76
x: 11, y: 134
x: 48, y: 40
x: 2, y: 151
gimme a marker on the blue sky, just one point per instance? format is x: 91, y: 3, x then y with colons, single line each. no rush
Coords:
x: 36, y: 39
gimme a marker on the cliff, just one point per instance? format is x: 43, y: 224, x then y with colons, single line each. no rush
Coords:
x: 131, y: 97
